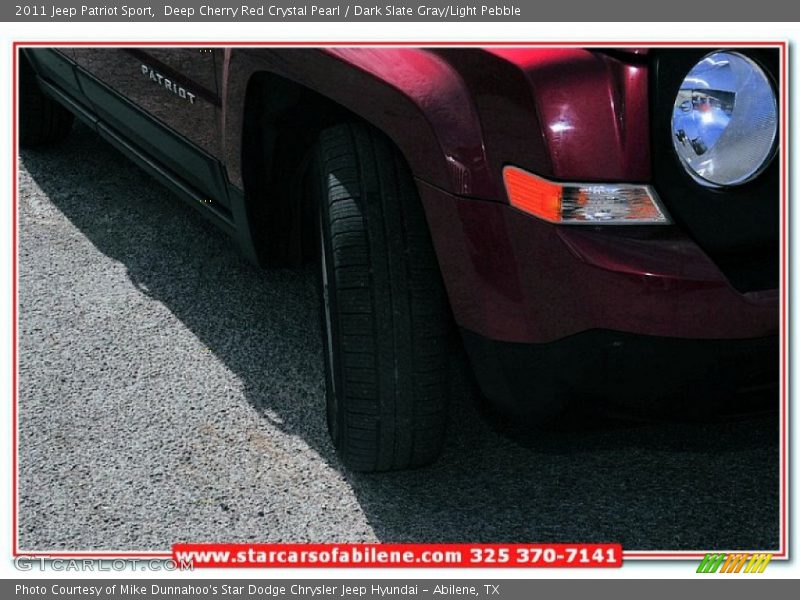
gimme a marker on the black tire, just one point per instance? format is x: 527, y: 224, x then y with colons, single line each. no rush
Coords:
x: 385, y: 316
x: 42, y: 120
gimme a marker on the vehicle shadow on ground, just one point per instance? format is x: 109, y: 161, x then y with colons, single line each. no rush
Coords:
x: 647, y: 485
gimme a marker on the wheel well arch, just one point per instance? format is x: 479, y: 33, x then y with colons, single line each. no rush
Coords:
x: 281, y: 122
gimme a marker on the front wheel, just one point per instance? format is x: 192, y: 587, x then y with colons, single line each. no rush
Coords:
x: 384, y: 312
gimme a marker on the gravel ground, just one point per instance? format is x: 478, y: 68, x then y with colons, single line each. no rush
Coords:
x: 171, y: 392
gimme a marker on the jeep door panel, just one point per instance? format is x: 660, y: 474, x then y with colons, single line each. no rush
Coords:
x: 180, y: 131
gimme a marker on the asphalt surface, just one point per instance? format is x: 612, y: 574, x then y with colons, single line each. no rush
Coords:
x: 169, y: 391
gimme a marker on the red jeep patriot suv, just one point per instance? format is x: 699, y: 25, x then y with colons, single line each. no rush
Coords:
x: 594, y: 221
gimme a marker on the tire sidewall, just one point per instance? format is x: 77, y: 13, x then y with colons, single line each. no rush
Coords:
x: 326, y: 273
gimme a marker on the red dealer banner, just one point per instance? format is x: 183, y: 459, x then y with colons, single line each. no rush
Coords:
x: 397, y: 555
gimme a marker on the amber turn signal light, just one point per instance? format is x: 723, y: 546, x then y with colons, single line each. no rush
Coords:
x: 583, y: 203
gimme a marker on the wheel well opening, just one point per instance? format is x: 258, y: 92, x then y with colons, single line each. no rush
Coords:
x: 282, y: 120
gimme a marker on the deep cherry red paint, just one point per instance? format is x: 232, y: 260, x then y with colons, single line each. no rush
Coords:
x: 511, y: 277
x: 460, y: 115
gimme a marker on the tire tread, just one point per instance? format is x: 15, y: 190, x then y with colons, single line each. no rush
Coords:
x: 391, y: 305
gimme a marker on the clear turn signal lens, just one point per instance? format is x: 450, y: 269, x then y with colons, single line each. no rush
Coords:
x: 583, y: 203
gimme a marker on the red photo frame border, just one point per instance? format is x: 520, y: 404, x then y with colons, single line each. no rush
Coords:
x: 780, y: 553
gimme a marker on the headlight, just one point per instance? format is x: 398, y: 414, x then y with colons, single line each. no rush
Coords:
x: 725, y: 120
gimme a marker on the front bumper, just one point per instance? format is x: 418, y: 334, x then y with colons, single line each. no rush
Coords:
x: 513, y: 278
x: 608, y: 308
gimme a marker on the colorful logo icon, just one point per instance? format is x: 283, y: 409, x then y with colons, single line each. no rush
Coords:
x: 718, y: 562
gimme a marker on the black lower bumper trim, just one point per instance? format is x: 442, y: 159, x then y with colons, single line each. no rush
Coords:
x: 621, y: 368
